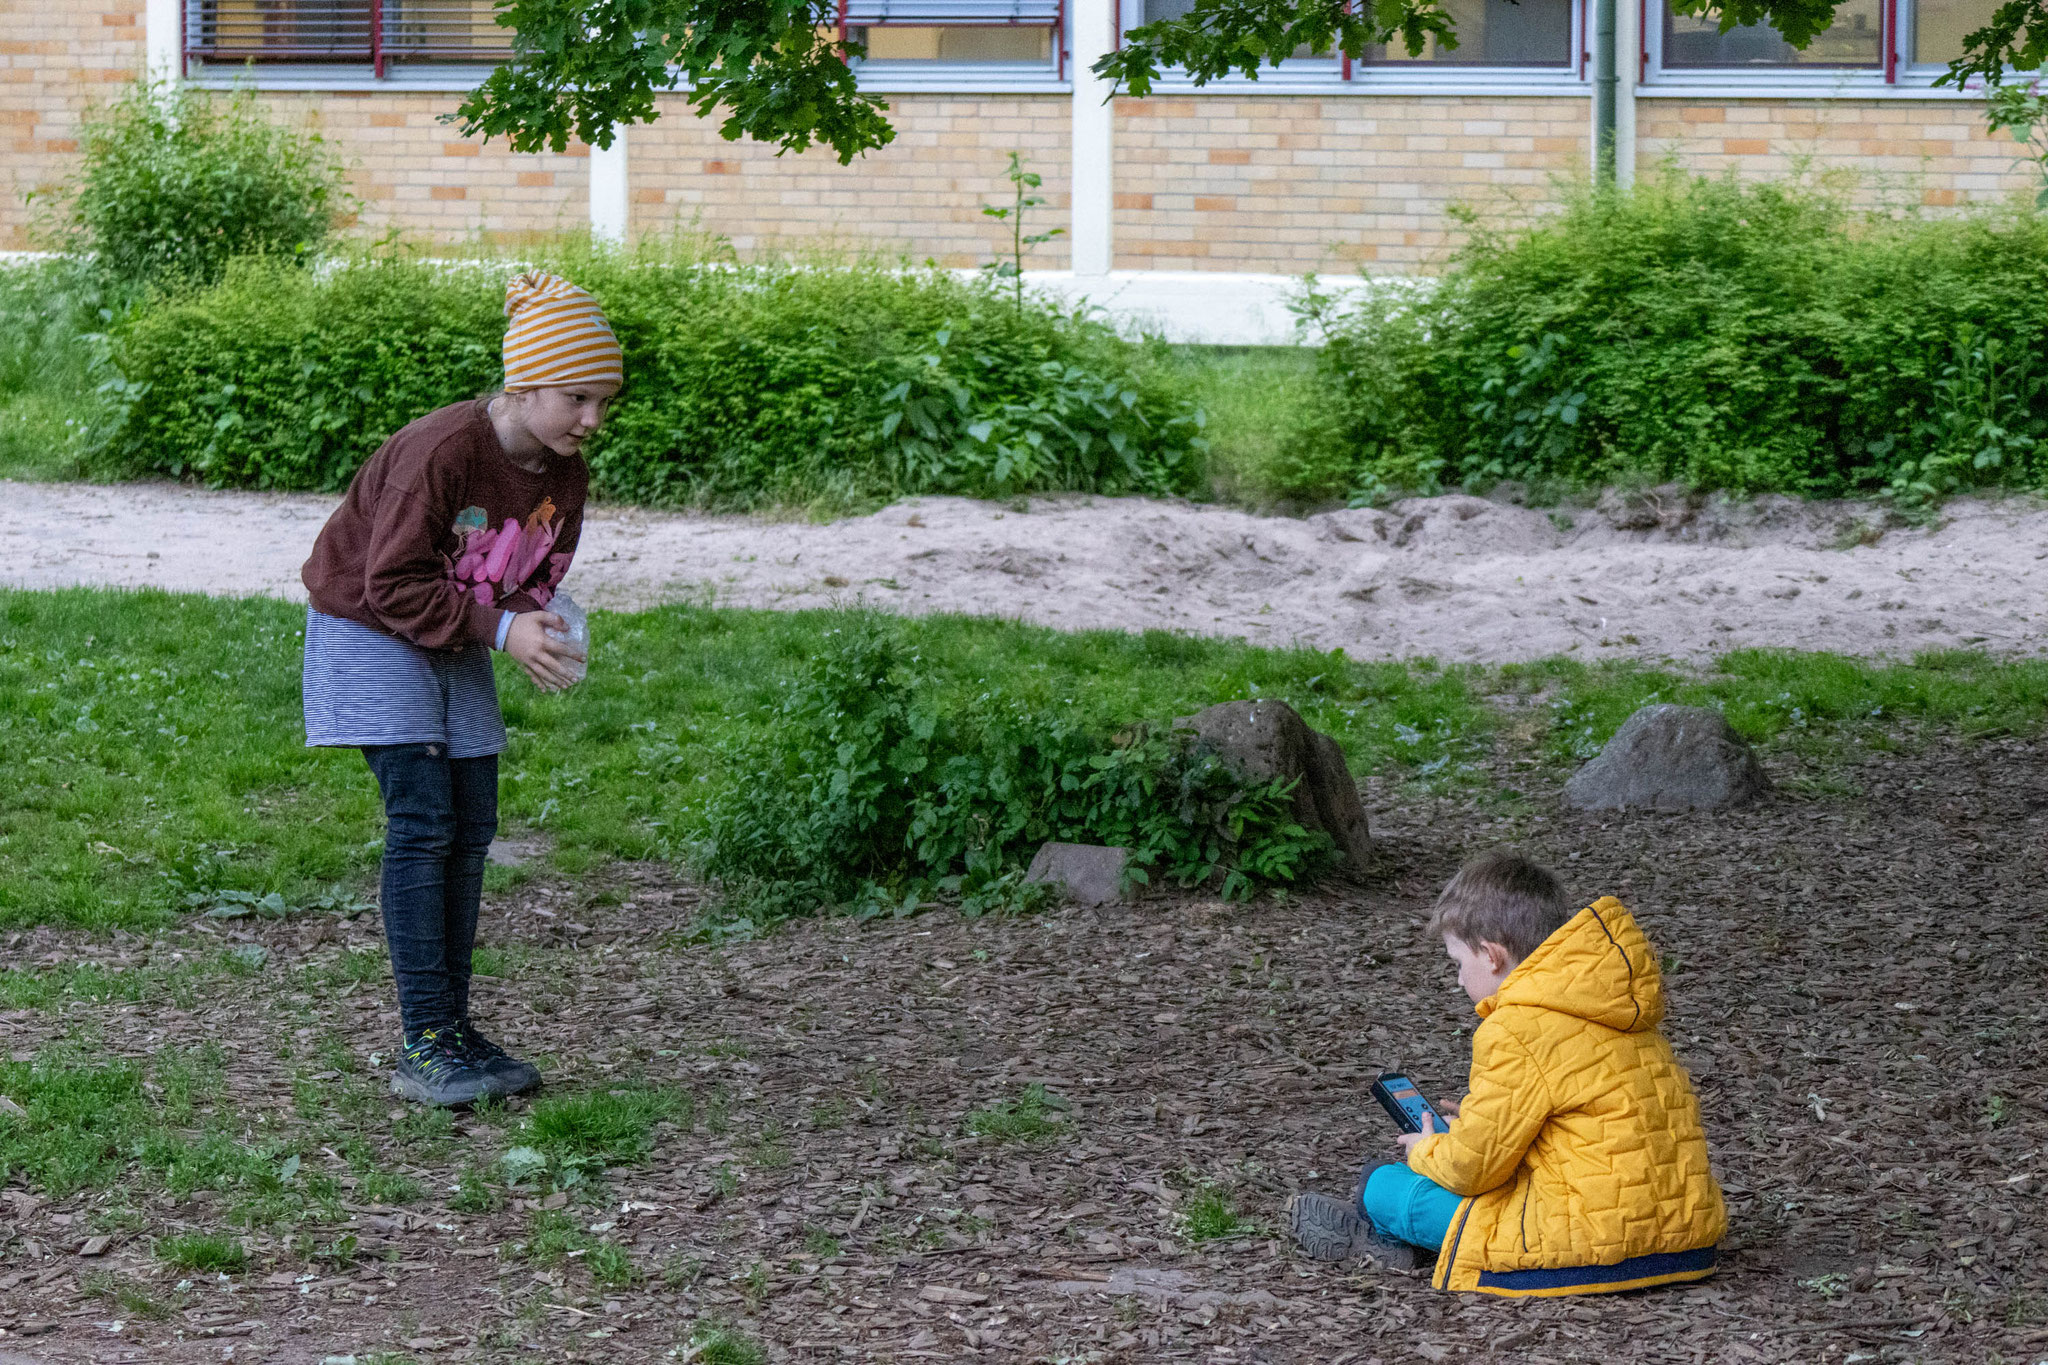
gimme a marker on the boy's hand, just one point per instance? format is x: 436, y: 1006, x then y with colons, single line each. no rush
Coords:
x: 1408, y: 1140
x: 546, y: 660
x: 1449, y: 1109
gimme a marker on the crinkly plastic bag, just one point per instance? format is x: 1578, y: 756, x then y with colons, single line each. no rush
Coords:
x: 578, y: 633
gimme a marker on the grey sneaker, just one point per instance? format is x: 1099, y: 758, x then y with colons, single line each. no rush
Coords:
x: 1330, y: 1230
x: 432, y: 1069
x: 509, y: 1075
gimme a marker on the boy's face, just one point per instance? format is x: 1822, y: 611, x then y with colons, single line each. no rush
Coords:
x: 1481, y: 967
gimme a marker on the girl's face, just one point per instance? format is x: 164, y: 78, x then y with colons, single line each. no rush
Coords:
x: 562, y: 419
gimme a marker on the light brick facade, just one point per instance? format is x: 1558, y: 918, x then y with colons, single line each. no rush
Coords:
x: 413, y: 173
x: 1338, y: 184
x: 1898, y: 153
x: 55, y: 61
x: 1224, y: 181
x: 921, y: 196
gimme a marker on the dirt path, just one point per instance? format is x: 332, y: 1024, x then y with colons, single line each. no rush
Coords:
x: 1457, y: 577
x: 1842, y: 975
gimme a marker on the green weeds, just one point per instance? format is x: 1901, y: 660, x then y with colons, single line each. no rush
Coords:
x: 1031, y: 1117
x: 203, y: 1251
x: 1210, y: 1214
x: 724, y: 1346
x: 610, y: 1127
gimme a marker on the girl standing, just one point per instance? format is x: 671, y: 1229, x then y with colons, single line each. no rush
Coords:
x: 450, y: 543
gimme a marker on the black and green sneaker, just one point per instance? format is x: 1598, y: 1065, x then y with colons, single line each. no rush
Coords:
x: 509, y: 1075
x: 434, y: 1069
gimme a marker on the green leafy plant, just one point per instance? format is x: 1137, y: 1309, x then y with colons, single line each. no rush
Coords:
x: 832, y: 384
x: 1746, y: 337
x: 868, y: 790
x: 177, y: 181
x: 2022, y: 110
x: 1024, y: 185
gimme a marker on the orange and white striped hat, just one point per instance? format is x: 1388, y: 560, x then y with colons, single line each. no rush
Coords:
x: 557, y: 335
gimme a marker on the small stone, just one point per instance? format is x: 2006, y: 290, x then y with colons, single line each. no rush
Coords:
x: 11, y: 1109
x: 1091, y: 874
x: 95, y: 1246
x: 1670, y: 758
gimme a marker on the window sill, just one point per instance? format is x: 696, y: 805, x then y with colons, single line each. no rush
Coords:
x: 1501, y: 81
x: 340, y: 79
x: 1776, y: 85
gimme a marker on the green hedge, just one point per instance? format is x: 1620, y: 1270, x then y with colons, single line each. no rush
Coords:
x: 1744, y: 337
x: 746, y: 385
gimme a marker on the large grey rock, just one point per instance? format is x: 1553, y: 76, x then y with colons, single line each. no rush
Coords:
x: 1262, y: 740
x: 1091, y: 874
x: 1670, y: 758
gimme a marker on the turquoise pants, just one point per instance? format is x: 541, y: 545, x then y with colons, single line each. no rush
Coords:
x: 1413, y: 1208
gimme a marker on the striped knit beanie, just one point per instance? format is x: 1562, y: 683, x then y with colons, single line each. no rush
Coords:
x: 556, y: 335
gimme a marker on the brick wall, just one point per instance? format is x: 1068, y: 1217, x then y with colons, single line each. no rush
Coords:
x: 920, y: 196
x: 1215, y: 182
x: 413, y: 172
x: 1293, y: 183
x: 1897, y: 153
x: 55, y: 59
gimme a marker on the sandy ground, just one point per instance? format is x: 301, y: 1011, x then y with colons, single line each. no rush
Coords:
x: 1457, y: 577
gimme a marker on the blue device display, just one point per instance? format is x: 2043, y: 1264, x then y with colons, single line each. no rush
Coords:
x: 1404, y: 1103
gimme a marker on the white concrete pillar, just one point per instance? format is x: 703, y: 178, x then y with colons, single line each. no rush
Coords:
x: 163, y: 42
x: 1091, y: 234
x: 610, y: 200
x: 1628, y: 42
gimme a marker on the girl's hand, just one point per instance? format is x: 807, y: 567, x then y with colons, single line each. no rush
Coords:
x: 1408, y: 1140
x: 1449, y: 1109
x: 547, y: 661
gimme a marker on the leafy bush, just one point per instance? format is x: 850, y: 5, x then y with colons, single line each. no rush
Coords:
x: 1746, y: 337
x: 277, y: 379
x: 178, y: 181
x: 747, y: 386
x: 869, y: 791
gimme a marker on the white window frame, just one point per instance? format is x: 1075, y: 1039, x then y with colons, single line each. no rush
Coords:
x: 1339, y: 76
x: 910, y: 77
x: 1895, y: 77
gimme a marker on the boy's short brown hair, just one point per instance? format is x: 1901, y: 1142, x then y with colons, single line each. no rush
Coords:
x: 1501, y: 897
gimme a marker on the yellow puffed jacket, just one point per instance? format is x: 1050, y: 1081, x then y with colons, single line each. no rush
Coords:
x: 1579, y: 1150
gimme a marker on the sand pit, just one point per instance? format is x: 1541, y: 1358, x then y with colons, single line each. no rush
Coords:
x: 1461, y: 578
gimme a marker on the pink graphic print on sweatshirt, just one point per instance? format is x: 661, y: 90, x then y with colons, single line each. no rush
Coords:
x: 495, y: 563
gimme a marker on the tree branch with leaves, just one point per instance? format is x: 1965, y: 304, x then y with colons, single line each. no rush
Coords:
x: 583, y: 68
x: 781, y: 74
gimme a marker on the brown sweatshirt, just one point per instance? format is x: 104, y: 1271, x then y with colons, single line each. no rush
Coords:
x: 441, y: 534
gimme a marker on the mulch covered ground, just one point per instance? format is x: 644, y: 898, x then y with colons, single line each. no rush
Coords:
x: 1856, y: 982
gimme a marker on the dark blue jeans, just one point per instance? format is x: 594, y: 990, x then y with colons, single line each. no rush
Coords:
x: 440, y: 814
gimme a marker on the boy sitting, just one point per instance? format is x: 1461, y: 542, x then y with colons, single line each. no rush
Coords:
x: 1577, y: 1163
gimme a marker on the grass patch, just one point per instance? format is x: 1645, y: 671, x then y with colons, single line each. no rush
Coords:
x: 1255, y: 398
x: 612, y: 1126
x: 203, y: 1251
x: 1788, y: 697
x: 1210, y: 1214
x: 145, y: 773
x: 724, y: 1346
x: 1031, y: 1117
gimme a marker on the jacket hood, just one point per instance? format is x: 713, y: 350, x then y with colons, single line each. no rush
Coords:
x: 1598, y: 967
